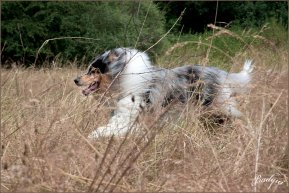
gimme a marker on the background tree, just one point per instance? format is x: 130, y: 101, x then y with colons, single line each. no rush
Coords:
x: 105, y: 25
x: 245, y: 14
x: 26, y: 25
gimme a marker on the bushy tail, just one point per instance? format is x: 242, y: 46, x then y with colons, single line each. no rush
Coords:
x: 248, y: 66
x: 241, y: 80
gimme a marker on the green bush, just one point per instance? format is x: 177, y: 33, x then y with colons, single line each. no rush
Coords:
x: 26, y: 25
x: 246, y: 14
x: 276, y: 33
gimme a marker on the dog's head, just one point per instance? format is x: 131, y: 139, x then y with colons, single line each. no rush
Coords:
x: 98, y: 74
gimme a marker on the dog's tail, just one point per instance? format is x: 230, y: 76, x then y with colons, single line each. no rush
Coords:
x: 242, y: 79
x: 248, y: 66
x: 245, y: 74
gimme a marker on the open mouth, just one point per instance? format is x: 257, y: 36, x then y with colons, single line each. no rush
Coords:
x: 91, y: 88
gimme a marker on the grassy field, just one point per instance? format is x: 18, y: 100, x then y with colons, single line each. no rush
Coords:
x: 45, y: 121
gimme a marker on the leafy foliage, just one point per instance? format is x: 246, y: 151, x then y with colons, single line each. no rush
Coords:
x: 101, y: 25
x: 245, y: 14
x: 26, y: 25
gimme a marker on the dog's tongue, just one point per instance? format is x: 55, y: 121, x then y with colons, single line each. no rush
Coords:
x: 89, y: 89
x: 86, y: 91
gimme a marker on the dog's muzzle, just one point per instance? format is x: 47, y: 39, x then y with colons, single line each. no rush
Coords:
x: 92, y: 87
x: 76, y: 81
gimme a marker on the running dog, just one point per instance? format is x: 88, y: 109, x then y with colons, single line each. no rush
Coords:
x: 143, y: 85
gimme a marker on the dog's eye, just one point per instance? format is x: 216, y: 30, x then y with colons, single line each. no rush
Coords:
x: 95, y: 71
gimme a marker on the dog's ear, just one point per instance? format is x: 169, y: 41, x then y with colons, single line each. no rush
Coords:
x: 102, y: 66
x: 113, y: 56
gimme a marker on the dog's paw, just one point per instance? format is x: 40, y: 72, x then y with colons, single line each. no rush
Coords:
x: 107, y: 131
x: 93, y: 135
x: 100, y: 132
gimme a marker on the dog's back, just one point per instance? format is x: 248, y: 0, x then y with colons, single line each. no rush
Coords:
x: 208, y: 84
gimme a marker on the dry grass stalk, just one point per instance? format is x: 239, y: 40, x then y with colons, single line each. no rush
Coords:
x: 45, y: 121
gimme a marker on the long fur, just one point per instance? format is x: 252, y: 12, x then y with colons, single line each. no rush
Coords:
x: 143, y: 85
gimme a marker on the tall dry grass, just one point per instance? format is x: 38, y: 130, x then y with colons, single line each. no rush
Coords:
x: 45, y: 121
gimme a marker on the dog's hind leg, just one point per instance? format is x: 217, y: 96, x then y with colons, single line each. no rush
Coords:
x: 236, y: 83
x: 228, y: 103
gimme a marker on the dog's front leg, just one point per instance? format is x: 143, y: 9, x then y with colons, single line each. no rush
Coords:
x: 123, y: 120
x: 118, y: 125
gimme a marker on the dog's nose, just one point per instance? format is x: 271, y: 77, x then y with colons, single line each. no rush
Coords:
x: 76, y: 81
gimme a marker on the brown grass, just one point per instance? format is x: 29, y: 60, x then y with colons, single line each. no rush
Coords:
x: 45, y: 121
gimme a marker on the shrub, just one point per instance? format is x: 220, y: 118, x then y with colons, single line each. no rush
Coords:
x: 26, y: 25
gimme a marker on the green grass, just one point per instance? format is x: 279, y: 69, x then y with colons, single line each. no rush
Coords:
x: 224, y: 46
